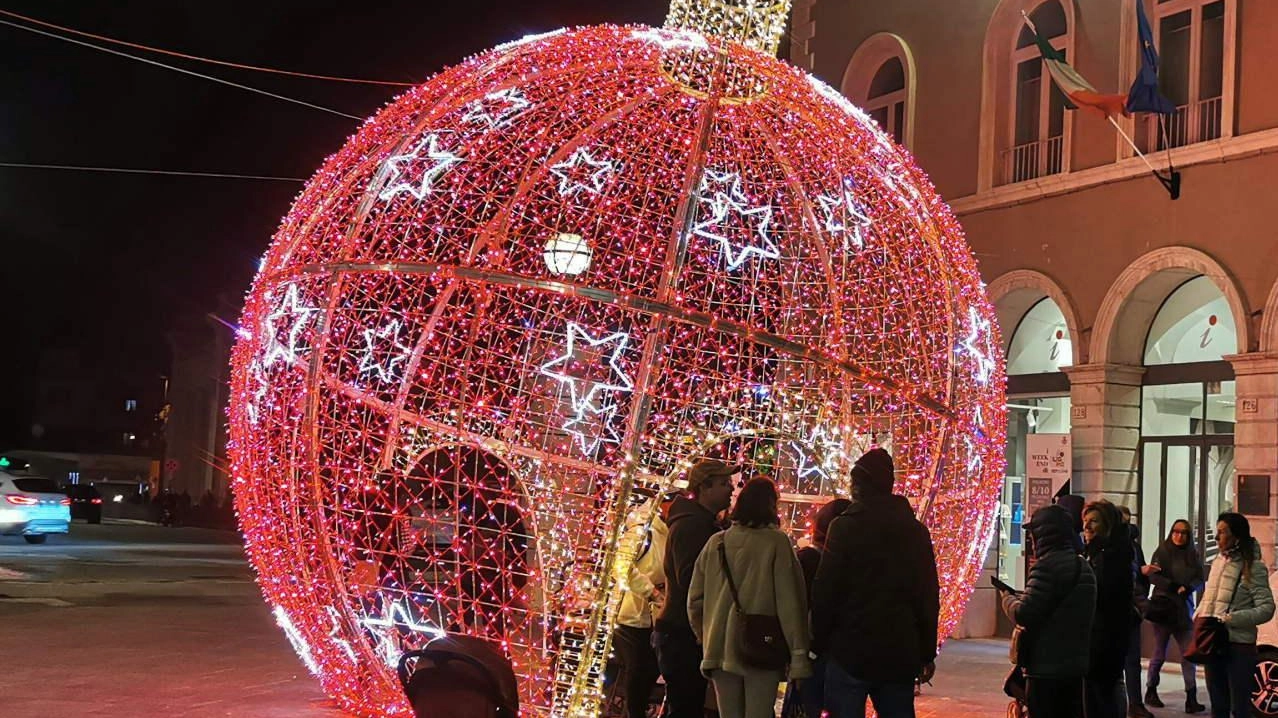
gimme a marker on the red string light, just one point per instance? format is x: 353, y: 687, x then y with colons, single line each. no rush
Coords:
x: 555, y: 274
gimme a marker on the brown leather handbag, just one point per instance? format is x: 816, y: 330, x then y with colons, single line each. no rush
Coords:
x: 1210, y: 639
x: 759, y: 636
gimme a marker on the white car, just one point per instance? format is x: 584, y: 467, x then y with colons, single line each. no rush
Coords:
x: 32, y: 507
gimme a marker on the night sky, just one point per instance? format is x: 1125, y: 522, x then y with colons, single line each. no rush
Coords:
x: 107, y: 263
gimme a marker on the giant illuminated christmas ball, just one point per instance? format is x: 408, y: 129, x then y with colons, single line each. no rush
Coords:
x: 530, y: 291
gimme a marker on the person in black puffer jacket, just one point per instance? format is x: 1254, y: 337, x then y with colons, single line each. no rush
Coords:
x: 1109, y: 551
x: 1055, y: 611
x: 875, y: 599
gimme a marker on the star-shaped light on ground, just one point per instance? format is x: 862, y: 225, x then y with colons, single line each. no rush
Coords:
x: 497, y: 109
x: 385, y: 368
x: 337, y: 635
x: 845, y: 215
x: 672, y: 39
x: 570, y: 171
x: 300, y: 647
x: 584, y: 393
x: 291, y: 306
x: 730, y: 199
x: 385, y: 631
x: 979, y: 333
x: 440, y: 161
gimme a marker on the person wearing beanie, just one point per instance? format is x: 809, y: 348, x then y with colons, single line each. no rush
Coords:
x: 875, y: 598
x: 691, y: 521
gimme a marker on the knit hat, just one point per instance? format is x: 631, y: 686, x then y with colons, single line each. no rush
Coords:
x: 707, y: 470
x: 874, y: 469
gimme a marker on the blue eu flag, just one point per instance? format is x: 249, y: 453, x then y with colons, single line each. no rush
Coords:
x: 1144, y: 95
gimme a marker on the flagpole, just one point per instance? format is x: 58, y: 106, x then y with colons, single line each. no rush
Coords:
x: 1135, y: 149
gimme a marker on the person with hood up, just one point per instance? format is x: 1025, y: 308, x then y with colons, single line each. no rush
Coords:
x: 1176, y: 572
x: 1055, y: 613
x: 1109, y: 552
x: 645, y: 582
x: 692, y: 520
x: 876, y: 598
x: 749, y: 569
x: 1239, y: 595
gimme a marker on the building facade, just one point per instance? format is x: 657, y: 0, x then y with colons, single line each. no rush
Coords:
x: 1143, y: 329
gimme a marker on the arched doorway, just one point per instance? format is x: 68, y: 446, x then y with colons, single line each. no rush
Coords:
x: 1038, y: 411
x: 1187, y: 414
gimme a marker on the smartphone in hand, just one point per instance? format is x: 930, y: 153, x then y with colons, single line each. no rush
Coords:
x: 1001, y: 586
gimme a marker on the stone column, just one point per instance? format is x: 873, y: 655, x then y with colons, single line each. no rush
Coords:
x: 1256, y: 448
x: 1105, y: 426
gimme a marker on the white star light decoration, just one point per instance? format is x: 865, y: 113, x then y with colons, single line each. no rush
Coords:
x: 979, y: 334
x: 441, y: 160
x: 300, y: 647
x: 507, y: 105
x: 383, y: 369
x: 567, y: 172
x: 254, y: 404
x: 846, y: 216
x: 384, y: 631
x: 291, y: 306
x: 672, y: 39
x: 585, y: 393
x: 721, y: 203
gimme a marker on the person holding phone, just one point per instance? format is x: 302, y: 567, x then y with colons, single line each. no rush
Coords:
x: 1055, y: 613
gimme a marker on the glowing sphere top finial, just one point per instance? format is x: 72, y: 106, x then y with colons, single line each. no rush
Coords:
x: 757, y: 24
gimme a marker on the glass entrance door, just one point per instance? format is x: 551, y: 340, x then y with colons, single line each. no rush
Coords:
x: 1188, y: 478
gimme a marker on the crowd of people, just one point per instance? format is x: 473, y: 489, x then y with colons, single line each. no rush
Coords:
x: 1090, y: 589
x: 848, y: 620
x: 721, y: 606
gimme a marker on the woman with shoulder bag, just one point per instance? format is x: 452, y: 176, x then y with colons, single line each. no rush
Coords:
x: 1239, y: 597
x: 748, y: 608
x: 1054, y: 617
x: 1176, y: 572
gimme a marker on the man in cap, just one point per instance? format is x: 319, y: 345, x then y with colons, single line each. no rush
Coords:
x: 692, y: 521
x: 875, y: 599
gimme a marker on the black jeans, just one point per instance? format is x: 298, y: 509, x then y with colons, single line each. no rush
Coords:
x: 1131, y: 671
x: 1054, y: 697
x: 845, y: 695
x: 1229, y: 681
x: 679, y: 657
x: 1104, y: 697
x: 639, y: 661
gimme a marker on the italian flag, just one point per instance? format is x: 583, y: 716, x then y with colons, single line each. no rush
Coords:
x: 1078, y: 91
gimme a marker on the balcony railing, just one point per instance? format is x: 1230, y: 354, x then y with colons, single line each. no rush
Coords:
x: 1191, y: 124
x: 1033, y: 159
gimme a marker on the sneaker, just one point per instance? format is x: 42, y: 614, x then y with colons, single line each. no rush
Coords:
x: 1151, y: 697
x: 1193, y: 706
x: 1138, y: 711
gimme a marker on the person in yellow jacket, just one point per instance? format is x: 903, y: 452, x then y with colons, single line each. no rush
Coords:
x: 644, y: 582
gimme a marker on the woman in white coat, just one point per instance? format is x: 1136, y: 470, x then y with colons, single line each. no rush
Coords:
x: 1238, y: 594
x: 769, y: 581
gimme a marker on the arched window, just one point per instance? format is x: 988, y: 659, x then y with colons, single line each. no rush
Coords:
x: 1025, y: 131
x: 1195, y: 40
x: 880, y: 79
x: 1036, y: 141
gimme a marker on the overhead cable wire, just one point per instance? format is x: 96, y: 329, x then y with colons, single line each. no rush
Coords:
x: 135, y: 171
x: 181, y: 70
x: 198, y: 58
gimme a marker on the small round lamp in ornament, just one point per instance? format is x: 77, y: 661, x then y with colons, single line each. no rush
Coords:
x: 439, y: 420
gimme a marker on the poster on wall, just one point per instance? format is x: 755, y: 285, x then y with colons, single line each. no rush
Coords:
x: 1048, y: 466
